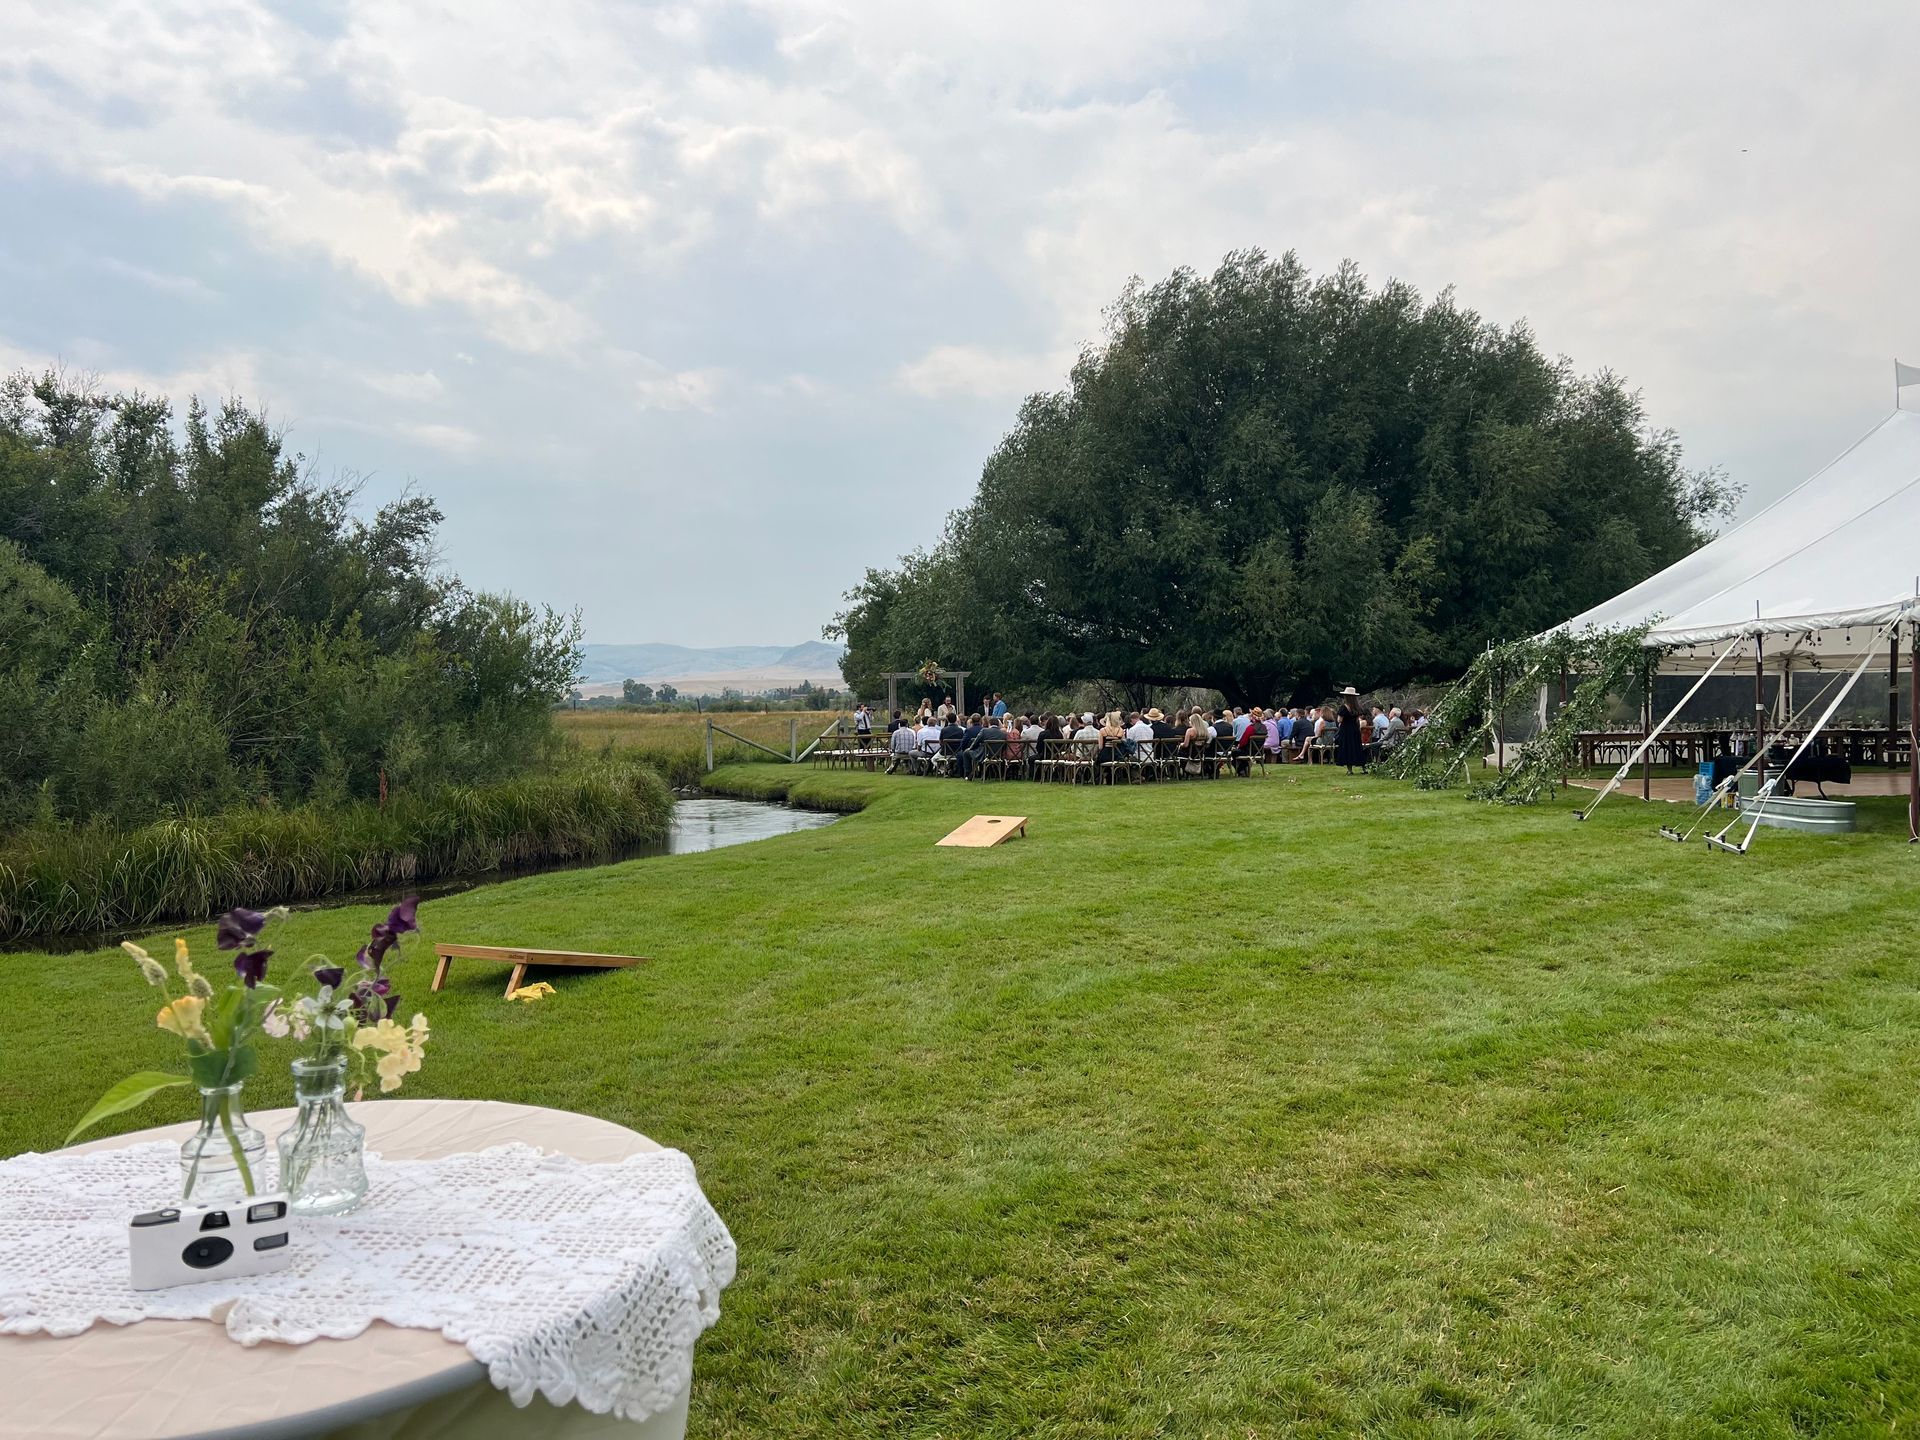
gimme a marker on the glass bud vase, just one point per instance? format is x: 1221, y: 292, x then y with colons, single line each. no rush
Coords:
x: 323, y: 1165
x: 225, y: 1159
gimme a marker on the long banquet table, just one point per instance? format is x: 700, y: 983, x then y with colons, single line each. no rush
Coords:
x: 1858, y: 745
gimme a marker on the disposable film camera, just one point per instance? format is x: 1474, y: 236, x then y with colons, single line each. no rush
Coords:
x: 188, y: 1244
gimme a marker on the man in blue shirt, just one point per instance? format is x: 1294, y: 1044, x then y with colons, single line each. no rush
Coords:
x: 969, y: 752
x: 999, y: 706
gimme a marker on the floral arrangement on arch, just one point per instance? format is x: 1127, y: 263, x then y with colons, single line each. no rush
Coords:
x: 930, y: 672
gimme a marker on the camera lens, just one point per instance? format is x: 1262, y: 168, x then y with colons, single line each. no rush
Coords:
x: 204, y: 1254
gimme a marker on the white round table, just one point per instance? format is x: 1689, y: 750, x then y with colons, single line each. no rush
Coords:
x: 185, y: 1380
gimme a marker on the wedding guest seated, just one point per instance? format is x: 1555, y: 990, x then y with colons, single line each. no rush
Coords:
x: 1014, y: 747
x: 1140, y: 735
x: 903, y: 745
x: 967, y: 753
x: 1197, y: 740
x: 1302, y: 734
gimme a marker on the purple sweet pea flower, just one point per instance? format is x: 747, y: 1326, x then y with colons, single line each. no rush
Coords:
x: 363, y: 959
x: 401, y: 919
x: 365, y: 1004
x: 238, y: 927
x: 251, y: 966
x: 330, y: 976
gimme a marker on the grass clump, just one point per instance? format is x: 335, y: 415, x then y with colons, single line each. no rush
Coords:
x: 60, y: 879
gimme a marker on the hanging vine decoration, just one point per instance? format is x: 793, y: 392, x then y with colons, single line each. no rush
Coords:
x: 1460, y: 725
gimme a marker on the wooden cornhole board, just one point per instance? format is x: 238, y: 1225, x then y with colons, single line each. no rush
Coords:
x: 520, y: 958
x: 984, y: 830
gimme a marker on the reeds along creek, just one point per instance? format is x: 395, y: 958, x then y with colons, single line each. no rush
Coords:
x: 62, y: 879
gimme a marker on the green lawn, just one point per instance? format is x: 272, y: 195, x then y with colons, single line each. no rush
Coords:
x: 1302, y: 1105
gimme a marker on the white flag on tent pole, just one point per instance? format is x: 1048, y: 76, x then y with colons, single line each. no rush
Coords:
x: 1905, y: 375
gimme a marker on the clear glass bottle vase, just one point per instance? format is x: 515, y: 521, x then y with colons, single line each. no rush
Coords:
x: 323, y: 1164
x: 225, y: 1159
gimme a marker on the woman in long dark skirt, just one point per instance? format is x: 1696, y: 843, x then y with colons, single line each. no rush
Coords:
x: 1348, y: 748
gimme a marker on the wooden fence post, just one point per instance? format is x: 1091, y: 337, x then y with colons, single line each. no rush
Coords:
x: 709, y: 747
x: 793, y: 739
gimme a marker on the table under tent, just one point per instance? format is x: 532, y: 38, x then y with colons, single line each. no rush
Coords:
x: 1808, y: 594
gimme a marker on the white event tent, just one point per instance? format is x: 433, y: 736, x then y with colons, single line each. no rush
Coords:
x: 1826, y: 578
x: 1815, y: 575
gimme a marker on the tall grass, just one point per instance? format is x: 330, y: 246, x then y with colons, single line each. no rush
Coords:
x: 57, y: 880
x: 674, y: 743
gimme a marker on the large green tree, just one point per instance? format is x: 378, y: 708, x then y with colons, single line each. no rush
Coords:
x: 188, y: 620
x: 1269, y: 483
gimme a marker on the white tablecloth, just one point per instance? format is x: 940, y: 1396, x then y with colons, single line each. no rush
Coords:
x: 174, y: 1379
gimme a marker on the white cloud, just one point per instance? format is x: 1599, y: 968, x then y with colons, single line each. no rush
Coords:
x: 451, y: 439
x: 624, y: 219
x: 678, y: 390
x: 984, y: 374
x: 419, y: 388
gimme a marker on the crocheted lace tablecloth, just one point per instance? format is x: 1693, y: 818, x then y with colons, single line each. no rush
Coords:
x: 580, y: 1282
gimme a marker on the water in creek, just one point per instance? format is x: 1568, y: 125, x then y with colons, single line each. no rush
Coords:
x: 706, y: 823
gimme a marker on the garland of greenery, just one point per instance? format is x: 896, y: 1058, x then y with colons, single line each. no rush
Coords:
x: 1434, y: 756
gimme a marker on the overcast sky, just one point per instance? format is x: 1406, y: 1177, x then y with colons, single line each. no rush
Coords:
x: 687, y: 314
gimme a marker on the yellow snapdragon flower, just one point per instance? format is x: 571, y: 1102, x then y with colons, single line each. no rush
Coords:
x: 182, y: 1018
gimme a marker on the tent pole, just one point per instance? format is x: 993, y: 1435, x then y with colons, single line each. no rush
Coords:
x: 1499, y: 726
x: 1893, y: 693
x: 1913, y: 735
x: 1646, y: 731
x: 1563, y: 705
x: 1760, y: 706
x: 1719, y: 841
x: 1620, y: 775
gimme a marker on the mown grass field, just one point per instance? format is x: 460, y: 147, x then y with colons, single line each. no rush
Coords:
x: 1297, y: 1106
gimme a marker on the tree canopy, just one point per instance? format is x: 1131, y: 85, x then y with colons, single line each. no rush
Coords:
x: 187, y: 621
x: 1267, y: 484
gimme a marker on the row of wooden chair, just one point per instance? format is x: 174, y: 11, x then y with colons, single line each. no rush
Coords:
x: 1067, y: 761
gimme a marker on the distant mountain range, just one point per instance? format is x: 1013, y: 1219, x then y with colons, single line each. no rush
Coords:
x: 749, y: 669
